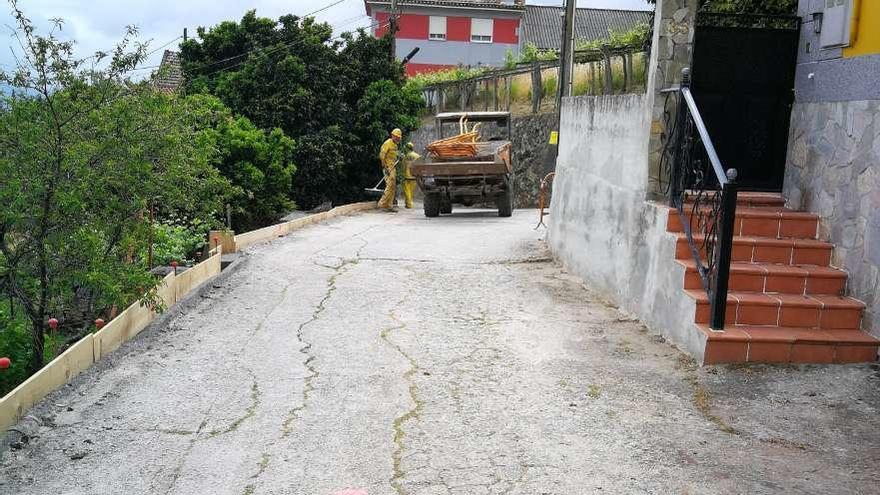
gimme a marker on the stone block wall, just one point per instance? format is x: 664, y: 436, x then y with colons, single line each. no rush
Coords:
x: 833, y: 169
x: 674, y: 24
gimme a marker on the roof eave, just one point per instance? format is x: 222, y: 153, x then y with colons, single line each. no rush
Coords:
x: 451, y: 5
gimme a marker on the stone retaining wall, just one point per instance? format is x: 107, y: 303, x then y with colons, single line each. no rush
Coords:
x: 833, y: 169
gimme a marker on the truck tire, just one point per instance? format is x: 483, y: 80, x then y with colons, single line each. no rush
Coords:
x: 432, y: 205
x: 504, y: 201
x: 446, y: 206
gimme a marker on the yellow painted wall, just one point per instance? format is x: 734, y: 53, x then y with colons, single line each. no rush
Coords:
x: 867, y: 33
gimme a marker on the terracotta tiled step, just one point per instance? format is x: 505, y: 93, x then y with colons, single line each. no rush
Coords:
x: 774, y: 279
x: 784, y: 310
x: 756, y: 222
x: 762, y: 200
x: 788, y: 345
x: 766, y: 250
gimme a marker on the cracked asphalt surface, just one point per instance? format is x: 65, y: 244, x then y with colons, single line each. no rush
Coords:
x: 405, y: 355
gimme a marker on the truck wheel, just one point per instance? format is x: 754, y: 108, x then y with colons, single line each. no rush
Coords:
x: 432, y: 205
x: 504, y: 201
x: 446, y: 206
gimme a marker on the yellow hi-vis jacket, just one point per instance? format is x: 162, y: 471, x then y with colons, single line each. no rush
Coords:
x: 388, y: 154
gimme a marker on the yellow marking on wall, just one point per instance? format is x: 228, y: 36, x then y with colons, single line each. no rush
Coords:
x: 866, y: 35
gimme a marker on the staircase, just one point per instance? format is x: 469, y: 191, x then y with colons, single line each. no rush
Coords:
x: 785, y: 302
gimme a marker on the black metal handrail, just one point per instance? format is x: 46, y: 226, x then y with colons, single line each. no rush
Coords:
x: 704, y: 193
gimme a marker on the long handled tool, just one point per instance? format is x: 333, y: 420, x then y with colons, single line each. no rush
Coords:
x: 375, y: 191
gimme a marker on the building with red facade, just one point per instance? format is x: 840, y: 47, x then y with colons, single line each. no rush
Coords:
x: 472, y: 33
x: 450, y: 33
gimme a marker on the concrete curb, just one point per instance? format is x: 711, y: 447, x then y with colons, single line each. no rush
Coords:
x: 90, y: 350
x: 247, y: 239
x: 189, y: 300
x: 178, y: 291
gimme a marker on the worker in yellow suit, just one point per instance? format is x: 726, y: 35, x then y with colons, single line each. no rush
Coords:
x: 409, y: 180
x: 388, y: 157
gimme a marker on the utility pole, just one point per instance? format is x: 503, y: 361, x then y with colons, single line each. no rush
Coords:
x: 566, y: 68
x: 566, y: 56
x: 393, y: 29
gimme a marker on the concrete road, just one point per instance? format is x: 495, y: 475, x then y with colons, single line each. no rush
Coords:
x: 403, y: 355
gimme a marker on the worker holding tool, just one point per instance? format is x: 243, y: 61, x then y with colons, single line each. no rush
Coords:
x: 388, y: 157
x: 409, y: 180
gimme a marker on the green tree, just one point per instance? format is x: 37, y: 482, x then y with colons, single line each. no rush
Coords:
x: 325, y: 153
x: 84, y: 155
x: 292, y: 74
x: 258, y: 163
x: 773, y: 7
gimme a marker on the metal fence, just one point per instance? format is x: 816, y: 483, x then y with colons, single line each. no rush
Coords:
x: 531, y: 87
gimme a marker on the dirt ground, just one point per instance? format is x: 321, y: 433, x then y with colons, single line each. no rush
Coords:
x: 406, y: 355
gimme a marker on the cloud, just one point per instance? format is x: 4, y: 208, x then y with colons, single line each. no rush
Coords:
x: 99, y: 24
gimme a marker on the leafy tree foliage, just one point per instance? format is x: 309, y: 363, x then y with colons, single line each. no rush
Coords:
x: 294, y: 75
x: 258, y: 163
x: 84, y: 155
x: 773, y: 7
x: 325, y: 156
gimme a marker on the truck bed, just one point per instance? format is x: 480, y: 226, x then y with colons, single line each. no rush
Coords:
x: 458, y: 169
x: 497, y: 162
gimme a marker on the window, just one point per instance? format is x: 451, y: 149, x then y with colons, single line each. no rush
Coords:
x: 437, y: 28
x: 481, y: 30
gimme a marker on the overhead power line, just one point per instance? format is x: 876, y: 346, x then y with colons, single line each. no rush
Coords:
x: 246, y: 53
x: 326, y: 7
x: 322, y: 9
x: 163, y: 46
x: 274, y: 50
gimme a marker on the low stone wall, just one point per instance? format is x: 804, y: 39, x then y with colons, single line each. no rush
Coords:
x: 530, y: 136
x: 602, y: 228
x: 833, y: 170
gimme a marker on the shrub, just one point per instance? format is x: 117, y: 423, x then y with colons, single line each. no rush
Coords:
x: 15, y: 343
x: 176, y: 242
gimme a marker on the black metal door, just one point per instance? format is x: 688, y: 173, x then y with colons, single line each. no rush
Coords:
x: 743, y: 82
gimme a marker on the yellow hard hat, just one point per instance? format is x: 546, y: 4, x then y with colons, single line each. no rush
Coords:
x: 397, y: 133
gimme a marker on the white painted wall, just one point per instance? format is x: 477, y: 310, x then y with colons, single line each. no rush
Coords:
x: 601, y: 226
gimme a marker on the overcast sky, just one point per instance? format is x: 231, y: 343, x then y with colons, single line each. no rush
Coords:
x: 98, y: 24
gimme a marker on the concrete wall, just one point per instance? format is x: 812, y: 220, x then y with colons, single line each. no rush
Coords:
x: 601, y: 227
x: 530, y: 137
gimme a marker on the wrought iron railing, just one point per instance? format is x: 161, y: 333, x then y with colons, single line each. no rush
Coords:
x: 704, y: 193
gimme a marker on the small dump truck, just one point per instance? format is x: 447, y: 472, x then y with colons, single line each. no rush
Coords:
x: 486, y: 177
